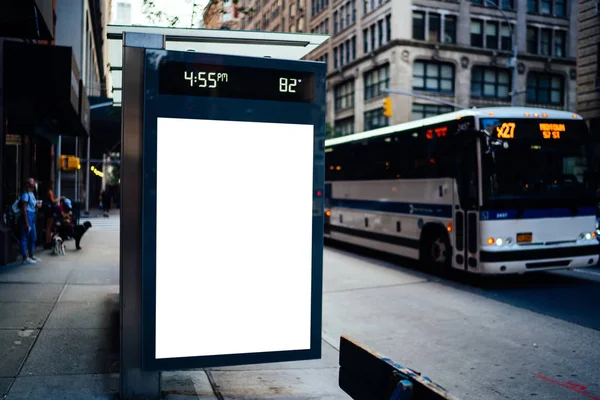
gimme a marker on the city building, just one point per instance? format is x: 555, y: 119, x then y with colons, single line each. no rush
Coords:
x: 456, y: 51
x: 221, y: 14
x: 274, y: 15
x: 52, y: 58
x: 588, y: 64
x: 81, y: 25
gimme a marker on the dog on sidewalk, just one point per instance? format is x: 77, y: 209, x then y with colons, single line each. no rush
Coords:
x: 59, y: 246
x: 80, y: 230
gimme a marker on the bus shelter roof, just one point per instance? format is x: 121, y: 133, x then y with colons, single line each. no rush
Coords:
x: 292, y: 46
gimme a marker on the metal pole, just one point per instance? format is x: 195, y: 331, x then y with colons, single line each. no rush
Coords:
x: 87, y: 177
x: 420, y: 96
x: 58, y: 173
x: 515, y: 75
x: 76, y: 194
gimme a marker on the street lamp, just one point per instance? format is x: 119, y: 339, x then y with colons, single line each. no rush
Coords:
x: 515, y: 76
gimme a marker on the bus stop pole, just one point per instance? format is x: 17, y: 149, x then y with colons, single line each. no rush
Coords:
x: 135, y: 383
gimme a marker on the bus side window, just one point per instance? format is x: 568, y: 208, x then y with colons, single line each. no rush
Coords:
x: 467, y: 179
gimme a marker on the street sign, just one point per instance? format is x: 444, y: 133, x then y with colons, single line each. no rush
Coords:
x: 233, y: 165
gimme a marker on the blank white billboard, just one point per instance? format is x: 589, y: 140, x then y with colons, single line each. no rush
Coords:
x: 233, y: 237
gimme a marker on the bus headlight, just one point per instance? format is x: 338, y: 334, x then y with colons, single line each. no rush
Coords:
x: 588, y: 236
x: 499, y: 242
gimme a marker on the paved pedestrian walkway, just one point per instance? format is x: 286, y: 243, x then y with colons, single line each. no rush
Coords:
x: 59, y: 336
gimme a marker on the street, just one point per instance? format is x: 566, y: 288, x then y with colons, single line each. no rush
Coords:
x: 532, y: 336
x: 510, y: 338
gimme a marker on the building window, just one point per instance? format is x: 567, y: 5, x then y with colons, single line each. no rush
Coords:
x: 365, y: 41
x: 434, y: 27
x: 420, y: 111
x: 546, y: 48
x: 343, y: 127
x: 532, y: 40
x: 344, y: 95
x: 560, y: 8
x: 388, y: 28
x: 374, y: 119
x: 450, y: 29
x: 476, y: 33
x: 560, y: 38
x: 532, y: 6
x: 491, y: 35
x: 380, y: 31
x: 418, y: 25
x: 335, y: 57
x: 433, y: 77
x: 438, y: 25
x: 546, y: 7
x: 545, y: 88
x: 376, y: 81
x: 506, y: 37
x: 504, y: 4
x: 373, y: 37
x: 335, y: 23
x: 490, y: 83
x: 598, y: 66
x: 353, y: 42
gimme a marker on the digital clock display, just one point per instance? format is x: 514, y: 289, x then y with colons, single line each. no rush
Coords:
x: 224, y: 81
x: 533, y: 128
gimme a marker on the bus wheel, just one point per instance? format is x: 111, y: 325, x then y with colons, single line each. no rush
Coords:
x: 436, y: 252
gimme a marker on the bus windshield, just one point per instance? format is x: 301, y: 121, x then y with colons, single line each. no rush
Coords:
x: 546, y: 164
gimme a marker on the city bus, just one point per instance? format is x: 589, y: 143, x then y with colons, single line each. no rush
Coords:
x: 498, y: 190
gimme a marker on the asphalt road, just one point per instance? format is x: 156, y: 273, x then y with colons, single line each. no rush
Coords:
x: 532, y: 336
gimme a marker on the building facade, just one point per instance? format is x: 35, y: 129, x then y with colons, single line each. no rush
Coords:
x: 457, y: 51
x: 221, y: 14
x: 588, y: 64
x: 274, y: 15
x: 81, y: 25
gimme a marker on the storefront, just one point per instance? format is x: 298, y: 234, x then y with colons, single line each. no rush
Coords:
x: 42, y: 102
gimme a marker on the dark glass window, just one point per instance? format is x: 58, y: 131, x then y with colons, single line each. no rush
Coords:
x: 532, y: 40
x: 450, y: 29
x: 476, y: 33
x: 433, y: 77
x: 491, y: 35
x: 375, y: 119
x: 560, y: 38
x: 490, y: 83
x: 418, y: 25
x: 376, y: 81
x: 545, y: 88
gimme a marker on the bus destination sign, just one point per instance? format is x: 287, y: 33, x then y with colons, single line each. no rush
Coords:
x: 235, y: 82
x: 531, y: 129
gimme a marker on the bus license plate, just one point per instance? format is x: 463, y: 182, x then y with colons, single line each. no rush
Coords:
x: 524, y: 238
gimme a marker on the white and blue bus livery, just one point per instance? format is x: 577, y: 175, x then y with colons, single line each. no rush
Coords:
x: 489, y: 191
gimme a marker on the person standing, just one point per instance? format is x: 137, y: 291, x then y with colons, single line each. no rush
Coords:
x: 49, y: 207
x: 28, y: 231
x: 106, y: 200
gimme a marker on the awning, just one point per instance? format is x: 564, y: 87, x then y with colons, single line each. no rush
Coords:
x: 27, y: 19
x: 42, y: 86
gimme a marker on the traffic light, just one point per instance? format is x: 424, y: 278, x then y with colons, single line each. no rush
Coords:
x: 68, y: 163
x: 387, y: 107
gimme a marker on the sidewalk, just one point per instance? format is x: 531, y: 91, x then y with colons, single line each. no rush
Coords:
x: 59, y: 336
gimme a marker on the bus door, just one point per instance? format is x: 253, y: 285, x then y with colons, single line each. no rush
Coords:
x: 466, y: 216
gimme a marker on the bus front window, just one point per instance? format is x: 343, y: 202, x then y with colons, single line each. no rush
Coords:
x: 542, y: 172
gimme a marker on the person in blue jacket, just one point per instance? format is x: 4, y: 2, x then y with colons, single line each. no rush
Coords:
x: 28, y: 231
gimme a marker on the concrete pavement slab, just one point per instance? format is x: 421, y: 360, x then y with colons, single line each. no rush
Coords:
x: 24, y: 315
x: 71, y: 351
x: 84, y: 315
x: 14, y: 347
x: 88, y: 293
x: 344, y: 273
x: 4, y: 385
x: 30, y: 292
x: 316, y: 383
x: 65, y: 387
x: 186, y: 385
x: 108, y: 275
x: 41, y: 273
